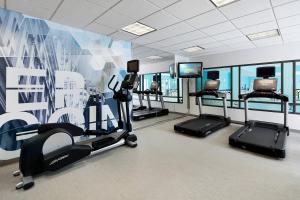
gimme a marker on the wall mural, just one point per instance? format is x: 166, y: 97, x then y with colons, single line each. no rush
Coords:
x: 47, y: 72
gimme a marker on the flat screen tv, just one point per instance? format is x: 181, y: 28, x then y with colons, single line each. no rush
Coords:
x: 190, y: 70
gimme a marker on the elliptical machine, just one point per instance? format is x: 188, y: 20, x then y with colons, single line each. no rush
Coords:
x: 54, y: 147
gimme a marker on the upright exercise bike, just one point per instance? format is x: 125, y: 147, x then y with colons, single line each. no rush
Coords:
x: 54, y: 147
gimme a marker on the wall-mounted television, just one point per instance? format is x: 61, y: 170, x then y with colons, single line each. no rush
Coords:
x: 190, y: 69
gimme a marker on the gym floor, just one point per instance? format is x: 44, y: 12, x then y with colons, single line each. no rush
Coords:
x: 166, y: 165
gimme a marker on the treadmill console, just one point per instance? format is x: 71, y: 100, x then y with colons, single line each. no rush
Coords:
x: 265, y: 85
x: 212, y: 85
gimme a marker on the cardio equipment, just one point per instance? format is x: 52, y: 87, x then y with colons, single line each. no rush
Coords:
x: 54, y: 147
x: 206, y: 124
x: 139, y: 93
x: 263, y: 137
x: 151, y: 111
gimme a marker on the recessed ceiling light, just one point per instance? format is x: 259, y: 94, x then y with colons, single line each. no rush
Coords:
x: 138, y: 29
x: 263, y: 35
x: 220, y: 3
x: 154, y: 57
x: 193, y: 49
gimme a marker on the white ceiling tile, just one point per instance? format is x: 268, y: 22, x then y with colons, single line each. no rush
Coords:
x: 241, y: 44
x: 189, y: 8
x: 279, y: 2
x: 290, y: 38
x: 207, y: 19
x: 268, y: 42
x: 260, y: 28
x: 287, y: 10
x: 163, y: 3
x: 104, y: 3
x: 289, y: 21
x: 228, y: 35
x: 159, y: 20
x: 190, y: 36
x: 219, y: 28
x: 121, y: 35
x: 213, y: 45
x: 70, y: 13
x: 37, y: 8
x: 238, y: 40
x: 115, y: 20
x: 256, y: 18
x: 167, y: 32
x: 136, y: 9
x: 244, y: 7
x: 291, y: 30
x: 98, y: 28
x: 206, y: 40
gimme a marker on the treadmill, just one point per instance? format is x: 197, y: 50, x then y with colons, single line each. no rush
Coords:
x: 263, y: 137
x: 150, y: 111
x: 141, y: 107
x: 206, y: 124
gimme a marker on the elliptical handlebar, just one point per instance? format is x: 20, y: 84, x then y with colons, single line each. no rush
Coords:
x: 115, y: 86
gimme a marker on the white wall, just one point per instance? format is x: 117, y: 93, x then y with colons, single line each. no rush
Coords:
x: 257, y: 55
x: 146, y: 68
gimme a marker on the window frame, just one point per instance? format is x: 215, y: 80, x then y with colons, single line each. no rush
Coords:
x: 232, y: 101
x: 178, y: 98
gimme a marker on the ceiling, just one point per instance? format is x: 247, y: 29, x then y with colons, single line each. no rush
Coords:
x: 179, y: 23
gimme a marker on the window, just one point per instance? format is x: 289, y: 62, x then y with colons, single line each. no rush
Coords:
x: 247, y: 76
x: 288, y: 88
x: 170, y: 88
x: 235, y: 87
x: 225, y: 86
x: 147, y: 80
x: 297, y: 87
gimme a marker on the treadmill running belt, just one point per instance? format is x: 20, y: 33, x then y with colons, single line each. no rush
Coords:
x: 202, y: 126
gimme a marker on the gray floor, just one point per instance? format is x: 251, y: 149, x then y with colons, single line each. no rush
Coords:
x: 166, y: 165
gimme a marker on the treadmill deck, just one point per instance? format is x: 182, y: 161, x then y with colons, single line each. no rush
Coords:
x: 149, y: 113
x: 261, y: 137
x: 203, y: 125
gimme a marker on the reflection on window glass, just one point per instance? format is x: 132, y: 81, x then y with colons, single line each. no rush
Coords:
x: 148, y: 79
x: 199, y: 84
x: 225, y: 86
x: 248, y: 75
x: 235, y: 87
x: 169, y: 87
x: 288, y: 83
x: 297, y: 87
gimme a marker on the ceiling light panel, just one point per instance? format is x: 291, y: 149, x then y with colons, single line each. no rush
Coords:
x: 193, y: 49
x: 154, y: 57
x: 263, y: 35
x: 138, y: 29
x: 220, y: 3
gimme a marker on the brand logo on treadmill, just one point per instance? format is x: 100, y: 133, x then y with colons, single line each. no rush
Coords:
x: 59, y: 159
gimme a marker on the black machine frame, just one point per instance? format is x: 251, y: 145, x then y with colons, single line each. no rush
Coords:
x: 262, y: 137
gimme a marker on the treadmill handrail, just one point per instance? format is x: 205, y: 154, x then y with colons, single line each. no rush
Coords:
x: 258, y: 94
x: 209, y: 93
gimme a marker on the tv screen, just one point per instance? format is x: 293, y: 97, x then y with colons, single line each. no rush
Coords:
x: 190, y: 70
x: 133, y: 66
x: 214, y: 75
x: 265, y: 72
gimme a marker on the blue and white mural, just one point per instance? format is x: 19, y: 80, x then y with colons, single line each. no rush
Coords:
x: 47, y: 72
